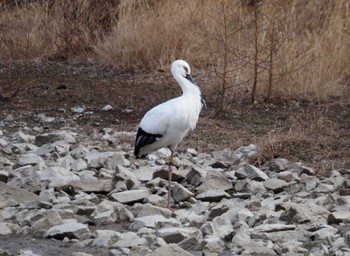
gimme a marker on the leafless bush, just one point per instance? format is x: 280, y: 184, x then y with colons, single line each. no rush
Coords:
x: 262, y: 50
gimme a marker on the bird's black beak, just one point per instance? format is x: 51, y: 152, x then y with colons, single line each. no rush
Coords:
x: 189, y: 77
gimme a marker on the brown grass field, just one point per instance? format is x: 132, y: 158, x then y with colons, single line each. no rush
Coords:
x: 274, y: 73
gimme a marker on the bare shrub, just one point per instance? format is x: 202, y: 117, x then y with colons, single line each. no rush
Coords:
x: 272, y: 50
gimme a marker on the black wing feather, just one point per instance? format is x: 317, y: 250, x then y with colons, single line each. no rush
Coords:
x: 143, y: 139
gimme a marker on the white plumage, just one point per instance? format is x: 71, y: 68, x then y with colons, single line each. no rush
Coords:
x: 167, y: 124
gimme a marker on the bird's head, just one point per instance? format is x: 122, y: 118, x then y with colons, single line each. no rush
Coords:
x: 182, y: 69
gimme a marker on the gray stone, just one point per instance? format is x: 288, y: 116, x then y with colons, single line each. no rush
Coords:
x: 129, y: 240
x: 4, y: 175
x: 279, y: 165
x: 97, y: 159
x: 286, y: 176
x: 156, y: 200
x: 79, y: 165
x: 42, y: 139
x: 242, y: 235
x: 170, y: 250
x: 148, y: 210
x: 5, y: 229
x: 130, y: 196
x: 29, y: 159
x: 217, y: 211
x: 27, y: 253
x: 93, y: 185
x: 152, y: 221
x: 176, y: 234
x: 65, y: 135
x: 254, y: 249
x: 306, y: 170
x: 276, y: 185
x: 215, y: 180
x: 57, y: 176
x: 196, y: 176
x: 302, y: 213
x: 339, y: 217
x: 11, y: 195
x: 79, y: 152
x: 251, y: 172
x: 144, y: 173
x: 273, y: 227
x: 105, y: 218
x: 180, y: 193
x: 324, y: 188
x: 105, y: 238
x: 20, y: 137
x: 118, y: 159
x: 213, y: 195
x: 309, y: 182
x: 124, y: 174
x: 70, y: 230
x: 212, y: 245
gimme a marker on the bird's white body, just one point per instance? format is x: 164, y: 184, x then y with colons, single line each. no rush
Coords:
x: 173, y: 119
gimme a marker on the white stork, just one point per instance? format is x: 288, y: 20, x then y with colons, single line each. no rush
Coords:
x: 167, y: 124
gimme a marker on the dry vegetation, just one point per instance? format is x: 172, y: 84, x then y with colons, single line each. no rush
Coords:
x: 287, y: 52
x: 260, y: 49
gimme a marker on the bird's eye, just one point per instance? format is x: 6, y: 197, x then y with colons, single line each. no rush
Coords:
x: 186, y: 69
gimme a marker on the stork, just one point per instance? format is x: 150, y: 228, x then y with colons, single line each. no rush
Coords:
x: 165, y: 125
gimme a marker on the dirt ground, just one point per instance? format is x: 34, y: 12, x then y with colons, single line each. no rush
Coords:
x: 315, y: 134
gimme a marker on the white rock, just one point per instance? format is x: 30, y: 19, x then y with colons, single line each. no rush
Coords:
x: 276, y: 185
x: 66, y: 135
x: 105, y: 218
x: 24, y: 138
x: 156, y: 200
x: 79, y: 165
x: 27, y: 253
x: 124, y: 174
x: 70, y: 230
x: 129, y: 240
x: 93, y: 185
x: 130, y: 196
x: 5, y: 228
x: 170, y: 250
x: 213, y: 195
x: 215, y: 180
x: 149, y: 209
x: 286, y: 176
x: 176, y: 235
x: 242, y: 235
x: 144, y: 173
x: 152, y: 221
x: 180, y: 193
x: 251, y: 172
x: 196, y: 176
x: 213, y: 245
x: 339, y: 217
x: 57, y: 176
x: 97, y: 159
x: 107, y: 108
x: 273, y: 227
x: 79, y: 152
x: 4, y: 175
x: 106, y: 238
x: 29, y: 158
x: 118, y: 159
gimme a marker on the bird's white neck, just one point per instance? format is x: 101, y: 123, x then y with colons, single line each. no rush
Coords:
x: 187, y: 87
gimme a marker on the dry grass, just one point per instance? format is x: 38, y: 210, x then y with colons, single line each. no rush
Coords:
x: 301, y: 47
x: 312, y: 138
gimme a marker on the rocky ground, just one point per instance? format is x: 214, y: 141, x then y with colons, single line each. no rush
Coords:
x: 263, y: 179
x: 66, y: 193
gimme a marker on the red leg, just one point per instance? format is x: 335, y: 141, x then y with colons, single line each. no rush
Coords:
x: 171, y: 162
